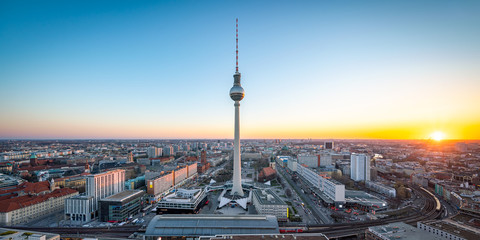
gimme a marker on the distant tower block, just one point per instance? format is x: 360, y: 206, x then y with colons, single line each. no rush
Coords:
x: 204, y: 157
x: 130, y: 157
x: 328, y: 145
x: 237, y: 93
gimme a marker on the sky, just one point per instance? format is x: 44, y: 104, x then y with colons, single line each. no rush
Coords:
x: 310, y: 69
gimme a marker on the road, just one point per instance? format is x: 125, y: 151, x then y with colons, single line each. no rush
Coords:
x: 320, y: 216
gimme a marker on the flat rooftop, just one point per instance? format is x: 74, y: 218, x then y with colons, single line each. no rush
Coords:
x: 454, y: 228
x: 264, y: 199
x: 183, y: 195
x: 18, y: 234
x: 400, y: 230
x: 304, y: 236
x: 210, y: 225
x: 122, y: 196
x: 363, y: 198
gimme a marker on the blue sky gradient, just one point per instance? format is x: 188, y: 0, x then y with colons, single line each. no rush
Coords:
x: 163, y: 69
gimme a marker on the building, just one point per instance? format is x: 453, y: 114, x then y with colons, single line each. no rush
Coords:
x: 175, y: 226
x: 168, y: 151
x: 80, y: 209
x: 266, y: 202
x: 182, y: 201
x: 333, y: 190
x: 153, y: 152
x: 328, y: 145
x: 203, y: 157
x: 267, y: 174
x: 16, y: 234
x: 447, y: 229
x: 292, y: 165
x: 160, y: 183
x: 303, y: 236
x: 7, y: 180
x: 398, y: 230
x: 312, y: 161
x: 32, y: 205
x: 84, y: 208
x: 380, y: 188
x: 130, y: 157
x: 33, y: 160
x: 105, y: 184
x: 359, y: 167
x: 120, y: 206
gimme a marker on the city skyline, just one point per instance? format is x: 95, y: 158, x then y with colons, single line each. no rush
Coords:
x: 321, y: 70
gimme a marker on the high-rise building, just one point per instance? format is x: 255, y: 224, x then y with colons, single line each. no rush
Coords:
x: 328, y: 145
x: 203, y: 158
x: 154, y: 152
x: 84, y: 208
x: 168, y: 151
x: 360, y: 167
x: 130, y: 157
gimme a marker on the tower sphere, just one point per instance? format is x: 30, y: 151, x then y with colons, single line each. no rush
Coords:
x: 237, y: 93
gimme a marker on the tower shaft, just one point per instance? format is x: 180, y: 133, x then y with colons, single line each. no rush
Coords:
x: 237, y: 165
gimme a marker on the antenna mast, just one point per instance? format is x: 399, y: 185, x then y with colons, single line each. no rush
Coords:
x: 236, y: 52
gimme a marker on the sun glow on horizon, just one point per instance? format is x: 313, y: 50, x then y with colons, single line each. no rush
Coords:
x: 437, y: 136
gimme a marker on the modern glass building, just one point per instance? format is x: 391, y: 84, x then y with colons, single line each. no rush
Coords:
x: 120, y: 206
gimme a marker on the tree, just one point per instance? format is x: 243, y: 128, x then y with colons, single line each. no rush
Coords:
x: 288, y: 192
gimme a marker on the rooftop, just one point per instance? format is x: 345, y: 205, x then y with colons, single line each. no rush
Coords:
x: 122, y: 196
x: 267, y: 197
x: 12, y: 204
x: 211, y: 225
x: 305, y: 236
x: 21, y: 234
x: 454, y: 228
x: 400, y: 230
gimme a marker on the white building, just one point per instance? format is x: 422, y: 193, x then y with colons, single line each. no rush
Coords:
x: 266, y: 202
x: 359, y: 167
x: 292, y: 165
x: 84, y: 208
x: 326, y: 159
x: 331, y: 188
x: 79, y: 209
x: 312, y: 161
x: 380, y: 188
x: 105, y: 184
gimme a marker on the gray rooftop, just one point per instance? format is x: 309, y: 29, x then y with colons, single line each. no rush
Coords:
x: 400, y: 230
x: 454, y: 228
x: 262, y: 196
x: 18, y: 234
x: 122, y: 196
x: 210, y: 225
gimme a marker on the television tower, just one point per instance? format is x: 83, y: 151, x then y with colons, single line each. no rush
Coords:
x: 237, y: 93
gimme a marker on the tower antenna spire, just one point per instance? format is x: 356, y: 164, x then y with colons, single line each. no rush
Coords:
x: 236, y: 47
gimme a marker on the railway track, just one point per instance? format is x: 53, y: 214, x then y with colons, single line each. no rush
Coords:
x: 431, y: 210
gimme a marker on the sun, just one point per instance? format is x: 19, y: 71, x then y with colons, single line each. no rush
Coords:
x: 437, y: 136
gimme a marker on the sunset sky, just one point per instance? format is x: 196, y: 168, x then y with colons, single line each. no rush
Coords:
x: 310, y: 69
